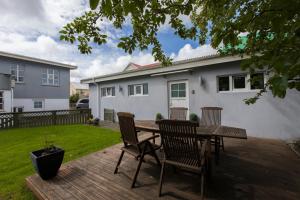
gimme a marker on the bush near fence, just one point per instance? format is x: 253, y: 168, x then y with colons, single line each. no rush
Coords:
x: 44, y: 118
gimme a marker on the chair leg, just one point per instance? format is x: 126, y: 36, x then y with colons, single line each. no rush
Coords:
x: 161, y: 178
x: 155, y: 155
x: 202, y: 186
x: 137, y: 170
x: 119, y: 162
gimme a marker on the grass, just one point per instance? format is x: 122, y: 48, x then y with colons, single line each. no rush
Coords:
x: 16, y: 144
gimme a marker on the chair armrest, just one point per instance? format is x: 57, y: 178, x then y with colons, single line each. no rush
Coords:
x: 149, y: 138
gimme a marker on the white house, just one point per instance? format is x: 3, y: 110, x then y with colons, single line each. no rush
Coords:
x: 195, y: 83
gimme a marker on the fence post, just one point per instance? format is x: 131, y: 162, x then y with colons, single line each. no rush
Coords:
x: 53, y: 117
x: 16, y: 120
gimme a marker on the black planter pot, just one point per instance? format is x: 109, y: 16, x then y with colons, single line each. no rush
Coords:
x: 47, y: 164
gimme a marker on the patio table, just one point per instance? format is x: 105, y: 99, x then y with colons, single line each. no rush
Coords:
x: 204, y: 132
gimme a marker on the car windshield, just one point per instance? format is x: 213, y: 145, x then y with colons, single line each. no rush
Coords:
x: 84, y: 101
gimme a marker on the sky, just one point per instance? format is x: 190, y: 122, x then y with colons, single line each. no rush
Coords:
x: 31, y: 28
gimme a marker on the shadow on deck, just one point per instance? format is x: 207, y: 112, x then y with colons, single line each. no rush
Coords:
x: 250, y: 169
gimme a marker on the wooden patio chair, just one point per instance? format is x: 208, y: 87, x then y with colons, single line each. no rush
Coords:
x: 212, y: 116
x: 182, y: 148
x: 132, y: 145
x: 178, y: 113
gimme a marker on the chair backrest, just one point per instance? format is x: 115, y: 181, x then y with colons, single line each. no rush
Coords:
x: 211, y: 116
x: 127, y: 128
x: 178, y: 113
x: 179, y: 140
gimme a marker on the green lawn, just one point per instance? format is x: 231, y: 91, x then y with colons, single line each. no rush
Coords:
x: 16, y: 144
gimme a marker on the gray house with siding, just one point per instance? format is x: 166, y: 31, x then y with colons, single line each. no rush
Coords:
x: 195, y: 83
x: 32, y: 84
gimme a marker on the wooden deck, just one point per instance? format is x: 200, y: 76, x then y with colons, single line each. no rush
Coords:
x: 249, y: 169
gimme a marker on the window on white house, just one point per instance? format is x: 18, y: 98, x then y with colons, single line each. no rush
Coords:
x: 108, y: 92
x: 223, y: 83
x: 241, y: 82
x: 238, y: 82
x: 1, y: 101
x: 178, y: 90
x: 50, y: 77
x: 257, y: 81
x: 17, y: 73
x: 138, y: 89
x: 38, y: 104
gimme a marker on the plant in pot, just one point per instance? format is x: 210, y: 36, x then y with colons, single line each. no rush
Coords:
x: 158, y: 117
x: 194, y: 118
x: 47, y: 161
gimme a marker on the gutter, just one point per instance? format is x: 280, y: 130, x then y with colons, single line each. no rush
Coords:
x: 177, y: 66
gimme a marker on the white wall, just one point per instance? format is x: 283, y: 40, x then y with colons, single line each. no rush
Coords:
x: 94, y: 103
x: 7, y: 100
x: 270, y: 117
x: 48, y: 104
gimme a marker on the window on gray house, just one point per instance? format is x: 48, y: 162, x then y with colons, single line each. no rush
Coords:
x: 257, y: 81
x: 223, y: 83
x: 138, y: 89
x: 1, y: 101
x: 17, y: 73
x: 18, y: 109
x: 50, y: 77
x: 38, y: 104
x: 108, y: 92
x: 239, y: 82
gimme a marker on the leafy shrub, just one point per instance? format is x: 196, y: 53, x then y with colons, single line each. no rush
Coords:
x: 74, y: 98
x: 194, y: 117
x: 159, y: 117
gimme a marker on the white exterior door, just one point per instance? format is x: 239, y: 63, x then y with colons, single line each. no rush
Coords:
x: 178, y: 94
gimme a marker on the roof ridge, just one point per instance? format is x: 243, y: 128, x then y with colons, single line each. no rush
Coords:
x: 38, y: 60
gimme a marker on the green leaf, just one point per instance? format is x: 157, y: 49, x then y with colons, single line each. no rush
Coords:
x: 94, y: 4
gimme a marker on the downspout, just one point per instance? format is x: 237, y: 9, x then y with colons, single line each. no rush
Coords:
x: 12, y: 99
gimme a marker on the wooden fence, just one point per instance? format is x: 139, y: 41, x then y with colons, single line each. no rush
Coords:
x: 44, y: 118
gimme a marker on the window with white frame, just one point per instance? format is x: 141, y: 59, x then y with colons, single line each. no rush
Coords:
x: 241, y: 82
x: 1, y: 100
x: 50, y: 77
x: 108, y: 92
x: 37, y: 104
x: 17, y: 73
x: 257, y: 81
x: 18, y: 109
x: 178, y: 90
x: 224, y: 83
x: 138, y: 89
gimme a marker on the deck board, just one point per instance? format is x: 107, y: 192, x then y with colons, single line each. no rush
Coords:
x: 252, y: 169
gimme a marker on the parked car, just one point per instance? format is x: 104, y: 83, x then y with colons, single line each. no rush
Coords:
x: 82, y: 103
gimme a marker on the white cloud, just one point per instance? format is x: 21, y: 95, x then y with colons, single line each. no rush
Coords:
x: 187, y: 51
x: 114, y: 63
x: 31, y: 28
x: 38, y: 17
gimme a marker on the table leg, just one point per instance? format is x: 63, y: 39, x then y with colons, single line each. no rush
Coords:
x: 209, y: 165
x: 217, y: 149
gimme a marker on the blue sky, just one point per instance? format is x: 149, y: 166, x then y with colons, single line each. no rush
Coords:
x: 31, y: 28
